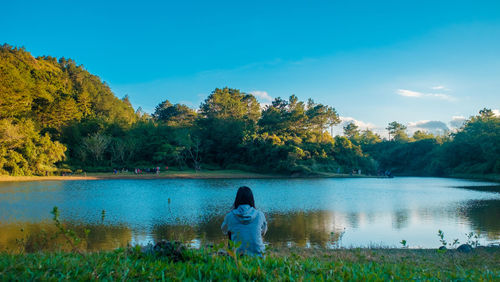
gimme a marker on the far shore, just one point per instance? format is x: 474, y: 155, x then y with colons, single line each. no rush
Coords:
x: 187, y: 174
x: 211, y: 174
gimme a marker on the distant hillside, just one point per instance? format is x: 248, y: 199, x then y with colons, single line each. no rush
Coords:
x: 54, y: 92
x: 41, y: 96
x: 56, y: 117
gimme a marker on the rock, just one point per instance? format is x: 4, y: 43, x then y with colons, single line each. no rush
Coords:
x: 442, y: 248
x: 171, y: 249
x: 464, y: 248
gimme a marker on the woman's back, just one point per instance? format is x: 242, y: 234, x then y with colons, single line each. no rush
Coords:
x: 247, y: 225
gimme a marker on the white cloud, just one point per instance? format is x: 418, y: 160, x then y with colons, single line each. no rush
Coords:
x: 432, y: 126
x: 262, y: 95
x: 339, y: 128
x: 457, y: 121
x: 416, y: 94
x: 361, y: 124
x: 409, y: 93
x: 496, y: 112
x: 440, y: 87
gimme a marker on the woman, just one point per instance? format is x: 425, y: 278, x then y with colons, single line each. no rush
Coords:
x: 245, y: 224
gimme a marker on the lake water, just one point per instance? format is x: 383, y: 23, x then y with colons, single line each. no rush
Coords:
x: 305, y: 212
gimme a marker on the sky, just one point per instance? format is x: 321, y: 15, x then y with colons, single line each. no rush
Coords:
x: 426, y: 64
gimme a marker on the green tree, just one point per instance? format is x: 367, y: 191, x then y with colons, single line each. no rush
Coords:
x: 321, y: 117
x: 397, y: 131
x: 368, y: 137
x: 421, y: 135
x: 174, y: 115
x: 96, y: 145
x: 228, y: 103
x: 351, y: 131
x: 24, y: 151
x: 227, y: 115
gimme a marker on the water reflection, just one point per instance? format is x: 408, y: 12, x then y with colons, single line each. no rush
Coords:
x: 484, y: 217
x: 304, y: 212
x: 42, y: 236
x: 322, y: 228
x: 301, y: 228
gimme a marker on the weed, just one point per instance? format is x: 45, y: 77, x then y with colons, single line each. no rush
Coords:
x: 441, y: 238
x: 473, y: 239
x: 70, y: 235
x: 404, y: 244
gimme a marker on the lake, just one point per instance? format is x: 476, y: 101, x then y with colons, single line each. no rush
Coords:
x: 328, y: 212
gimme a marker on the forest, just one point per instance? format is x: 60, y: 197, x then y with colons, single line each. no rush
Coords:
x: 56, y: 117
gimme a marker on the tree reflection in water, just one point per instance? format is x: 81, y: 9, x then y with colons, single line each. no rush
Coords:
x: 322, y: 228
x: 484, y: 217
x: 300, y: 211
x: 39, y: 236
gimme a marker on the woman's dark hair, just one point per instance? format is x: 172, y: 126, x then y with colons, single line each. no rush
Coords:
x: 244, y: 196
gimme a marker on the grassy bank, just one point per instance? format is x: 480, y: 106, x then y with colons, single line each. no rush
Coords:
x: 187, y: 174
x: 285, y: 264
x: 215, y: 174
x: 184, y: 174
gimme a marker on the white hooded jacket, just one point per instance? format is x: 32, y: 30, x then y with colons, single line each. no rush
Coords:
x: 247, y: 225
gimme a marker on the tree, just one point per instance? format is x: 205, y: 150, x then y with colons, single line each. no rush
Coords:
x: 96, y: 145
x: 24, y: 151
x: 174, y: 115
x: 321, y: 117
x: 295, y: 118
x: 421, y: 135
x: 159, y: 113
x: 368, y: 137
x: 228, y: 103
x: 351, y: 131
x: 227, y: 115
x: 397, y: 131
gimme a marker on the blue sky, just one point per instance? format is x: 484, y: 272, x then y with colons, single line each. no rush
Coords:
x: 422, y: 63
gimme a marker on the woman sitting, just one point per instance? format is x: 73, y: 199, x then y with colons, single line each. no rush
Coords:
x: 245, y: 224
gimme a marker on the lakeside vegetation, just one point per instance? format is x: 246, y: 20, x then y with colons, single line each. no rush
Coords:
x: 181, y: 174
x: 290, y: 264
x: 63, y: 253
x: 56, y: 117
x: 188, y: 174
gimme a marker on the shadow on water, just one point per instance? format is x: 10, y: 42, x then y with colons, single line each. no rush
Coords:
x: 486, y: 188
x: 484, y: 217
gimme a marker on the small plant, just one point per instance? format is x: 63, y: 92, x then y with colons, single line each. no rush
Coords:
x: 455, y: 243
x: 70, y: 235
x: 404, y: 244
x: 441, y: 238
x: 232, y: 251
x: 21, y: 243
x: 472, y: 239
x: 335, y: 239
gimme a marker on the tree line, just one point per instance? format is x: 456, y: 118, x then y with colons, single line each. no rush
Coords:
x: 55, y: 116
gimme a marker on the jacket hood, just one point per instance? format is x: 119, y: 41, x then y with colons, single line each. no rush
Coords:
x: 245, y: 213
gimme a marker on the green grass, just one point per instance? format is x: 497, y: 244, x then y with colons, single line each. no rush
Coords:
x: 279, y: 264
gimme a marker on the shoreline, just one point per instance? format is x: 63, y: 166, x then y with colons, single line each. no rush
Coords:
x: 213, y: 174
x: 217, y: 174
